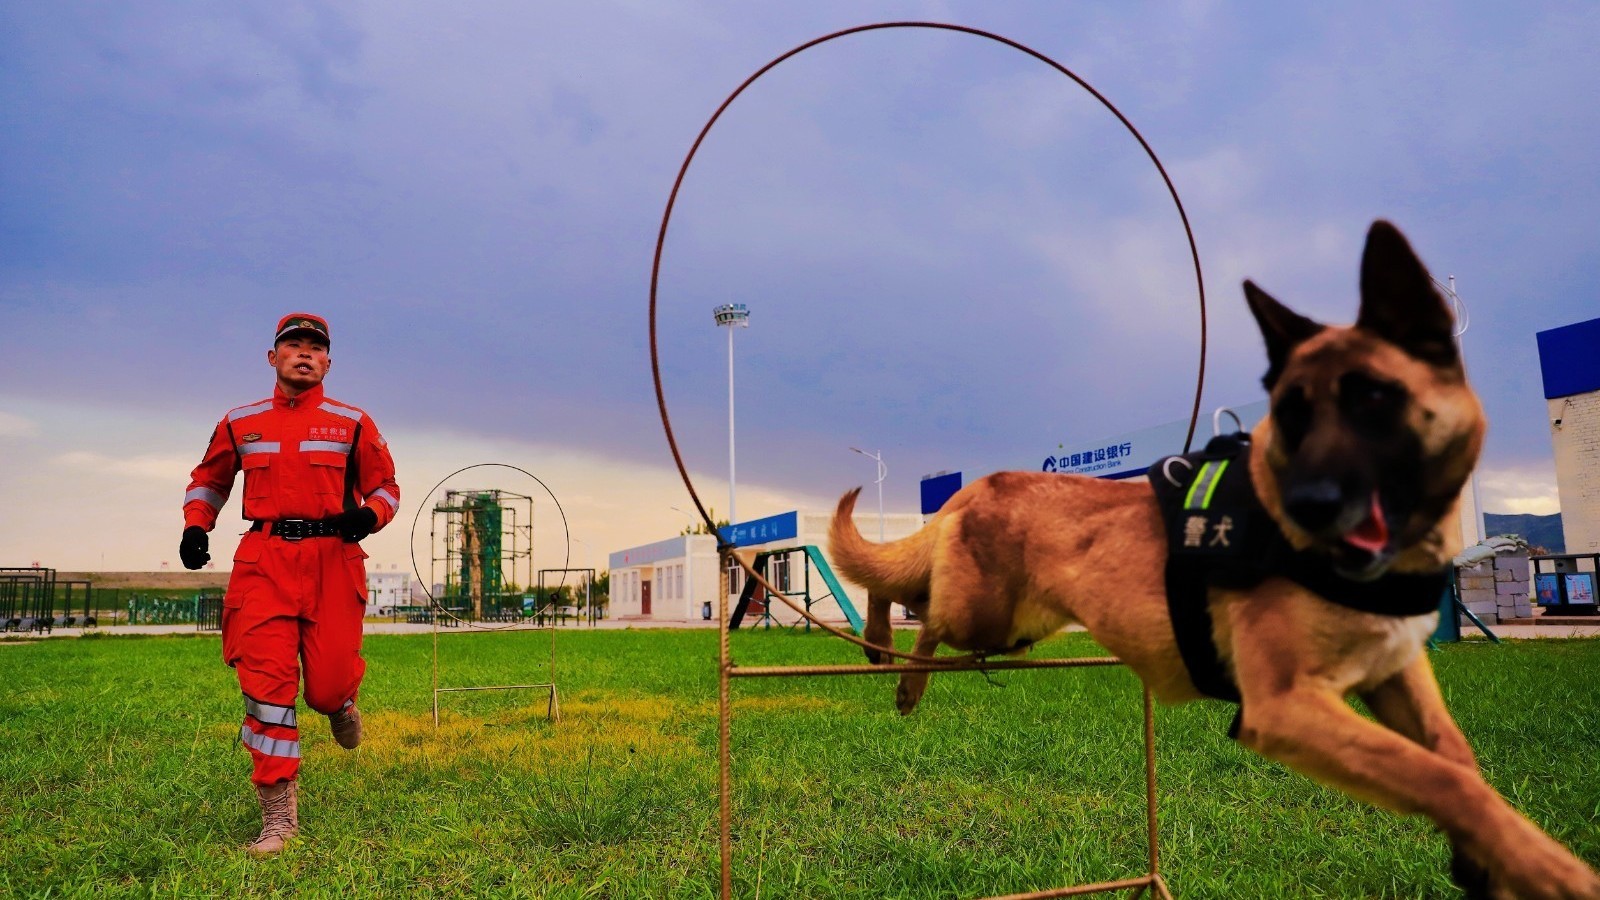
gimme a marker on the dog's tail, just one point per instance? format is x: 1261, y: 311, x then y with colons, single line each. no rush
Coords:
x: 898, y: 568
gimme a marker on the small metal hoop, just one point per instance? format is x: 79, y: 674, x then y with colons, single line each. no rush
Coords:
x: 1216, y: 420
x: 433, y: 602
x: 1166, y: 469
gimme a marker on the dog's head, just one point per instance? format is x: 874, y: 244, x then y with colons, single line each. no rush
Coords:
x: 1373, y: 429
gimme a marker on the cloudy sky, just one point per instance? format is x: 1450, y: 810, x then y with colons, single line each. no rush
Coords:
x: 952, y: 254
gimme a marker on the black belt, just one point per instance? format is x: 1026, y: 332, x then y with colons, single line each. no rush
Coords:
x: 296, y: 529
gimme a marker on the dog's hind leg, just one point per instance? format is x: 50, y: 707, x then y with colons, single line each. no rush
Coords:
x: 912, y: 684
x: 878, y: 630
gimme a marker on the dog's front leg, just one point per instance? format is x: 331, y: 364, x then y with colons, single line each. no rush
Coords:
x: 1411, y: 704
x: 912, y: 684
x: 1313, y: 731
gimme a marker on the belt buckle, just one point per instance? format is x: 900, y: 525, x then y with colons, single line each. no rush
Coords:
x: 297, y: 534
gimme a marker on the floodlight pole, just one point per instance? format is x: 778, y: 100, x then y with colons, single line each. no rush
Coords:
x: 883, y: 472
x: 730, y: 316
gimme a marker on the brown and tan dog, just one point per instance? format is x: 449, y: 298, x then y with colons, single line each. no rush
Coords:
x: 1372, y: 433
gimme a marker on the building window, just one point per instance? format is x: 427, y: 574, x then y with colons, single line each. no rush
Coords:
x: 735, y: 577
x: 778, y: 571
x: 679, y: 576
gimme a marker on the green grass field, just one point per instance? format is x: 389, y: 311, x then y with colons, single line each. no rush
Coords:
x: 120, y: 773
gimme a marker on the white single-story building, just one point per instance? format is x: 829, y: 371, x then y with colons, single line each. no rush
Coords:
x: 677, y: 579
x: 387, y: 588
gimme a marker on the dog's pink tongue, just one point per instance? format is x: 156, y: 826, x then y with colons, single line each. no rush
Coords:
x: 1372, y: 535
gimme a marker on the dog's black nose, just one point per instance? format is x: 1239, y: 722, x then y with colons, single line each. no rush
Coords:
x: 1314, y: 505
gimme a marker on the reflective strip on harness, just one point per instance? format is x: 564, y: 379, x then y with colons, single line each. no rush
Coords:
x: 1205, y: 484
x: 259, y: 447
x: 207, y: 496
x: 385, y: 496
x: 333, y: 446
x: 340, y: 411
x: 269, y: 746
x: 251, y: 410
x: 269, y: 714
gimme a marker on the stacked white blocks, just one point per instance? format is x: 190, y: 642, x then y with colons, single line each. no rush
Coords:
x: 1496, y: 590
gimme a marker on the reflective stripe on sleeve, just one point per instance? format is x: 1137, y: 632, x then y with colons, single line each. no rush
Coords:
x: 385, y: 496
x: 269, y: 746
x: 269, y: 714
x: 335, y: 446
x: 252, y: 409
x: 258, y: 447
x: 205, y: 495
x: 341, y: 411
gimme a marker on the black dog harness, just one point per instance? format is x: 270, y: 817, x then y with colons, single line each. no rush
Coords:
x: 1219, y: 534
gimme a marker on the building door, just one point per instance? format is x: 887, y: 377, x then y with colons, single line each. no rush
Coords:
x: 644, y: 598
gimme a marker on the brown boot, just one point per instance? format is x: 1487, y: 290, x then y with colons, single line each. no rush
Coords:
x: 280, y: 817
x: 346, y: 726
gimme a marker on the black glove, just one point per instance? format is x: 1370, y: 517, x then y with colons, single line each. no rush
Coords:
x: 355, y: 524
x: 194, y: 549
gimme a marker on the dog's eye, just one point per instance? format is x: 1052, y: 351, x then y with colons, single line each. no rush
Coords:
x: 1293, y: 415
x: 1369, y: 402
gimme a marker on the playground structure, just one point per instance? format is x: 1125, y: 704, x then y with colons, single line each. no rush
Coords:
x: 1151, y: 881
x: 27, y: 598
x: 547, y: 606
x: 32, y: 597
x: 487, y: 542
x: 811, y: 560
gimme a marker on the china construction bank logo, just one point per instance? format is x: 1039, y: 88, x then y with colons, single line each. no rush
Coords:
x: 1097, y: 459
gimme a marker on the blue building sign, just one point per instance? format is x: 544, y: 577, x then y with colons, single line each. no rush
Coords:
x: 1121, y: 456
x: 936, y: 489
x: 781, y: 527
x: 1569, y: 359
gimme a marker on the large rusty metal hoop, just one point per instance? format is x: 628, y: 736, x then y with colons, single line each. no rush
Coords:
x: 666, y: 218
x: 1152, y: 881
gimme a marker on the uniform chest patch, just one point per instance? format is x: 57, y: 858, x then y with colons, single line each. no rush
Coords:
x: 329, y: 433
x: 252, y: 437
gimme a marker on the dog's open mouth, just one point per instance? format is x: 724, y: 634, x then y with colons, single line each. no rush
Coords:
x: 1364, y: 550
x: 1372, y: 534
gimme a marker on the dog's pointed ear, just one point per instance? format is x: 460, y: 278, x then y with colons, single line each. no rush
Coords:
x: 1399, y: 301
x: 1283, y: 328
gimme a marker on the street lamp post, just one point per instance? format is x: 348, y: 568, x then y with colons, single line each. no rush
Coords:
x: 1472, y: 527
x: 883, y: 472
x: 731, y: 316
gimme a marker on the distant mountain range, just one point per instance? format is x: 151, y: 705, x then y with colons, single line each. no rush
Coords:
x: 1539, y: 531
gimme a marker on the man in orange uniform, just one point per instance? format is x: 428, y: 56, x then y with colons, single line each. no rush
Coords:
x: 317, y: 479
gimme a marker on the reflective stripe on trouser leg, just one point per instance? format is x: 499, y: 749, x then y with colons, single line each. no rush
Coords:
x: 274, y: 749
x: 268, y: 713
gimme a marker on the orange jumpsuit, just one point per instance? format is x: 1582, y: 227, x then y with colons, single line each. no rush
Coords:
x: 293, y: 603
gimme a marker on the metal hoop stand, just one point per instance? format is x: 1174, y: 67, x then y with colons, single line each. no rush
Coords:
x: 437, y: 609
x: 728, y: 670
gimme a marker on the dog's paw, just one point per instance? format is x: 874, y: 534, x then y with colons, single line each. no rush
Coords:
x: 1472, y: 878
x: 1543, y: 869
x: 906, y: 697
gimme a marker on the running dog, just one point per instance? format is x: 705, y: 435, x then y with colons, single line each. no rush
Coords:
x: 1342, y: 521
